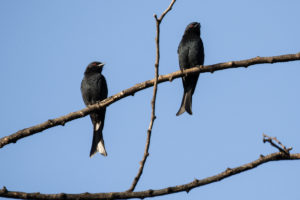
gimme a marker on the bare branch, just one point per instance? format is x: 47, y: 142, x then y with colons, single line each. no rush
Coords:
x: 152, y: 193
x: 165, y: 12
x: 141, y: 86
x: 282, y: 149
x: 153, y: 101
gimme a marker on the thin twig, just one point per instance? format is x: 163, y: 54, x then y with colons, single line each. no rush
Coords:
x: 153, y: 101
x: 152, y: 193
x: 141, y: 86
x: 165, y: 12
x: 282, y: 149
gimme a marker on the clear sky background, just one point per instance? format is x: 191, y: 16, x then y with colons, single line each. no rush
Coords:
x: 45, y: 47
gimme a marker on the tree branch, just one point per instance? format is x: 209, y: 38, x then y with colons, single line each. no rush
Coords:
x: 153, y: 101
x: 282, y: 149
x: 152, y: 193
x: 141, y: 86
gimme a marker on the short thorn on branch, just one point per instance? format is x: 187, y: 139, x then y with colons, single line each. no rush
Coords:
x: 277, y: 144
x: 4, y: 190
x: 228, y: 169
x: 261, y: 156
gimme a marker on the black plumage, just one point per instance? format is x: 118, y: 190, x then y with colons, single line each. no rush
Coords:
x: 94, y: 89
x: 190, y: 54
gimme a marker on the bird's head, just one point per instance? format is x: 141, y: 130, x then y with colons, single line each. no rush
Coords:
x: 193, y: 27
x: 94, y: 67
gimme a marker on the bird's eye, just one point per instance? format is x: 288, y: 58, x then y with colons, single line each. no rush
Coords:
x: 94, y: 64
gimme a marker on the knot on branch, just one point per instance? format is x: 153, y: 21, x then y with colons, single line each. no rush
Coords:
x: 113, y: 195
x: 62, y: 196
x: 150, y: 192
x: 13, y: 140
x: 51, y: 122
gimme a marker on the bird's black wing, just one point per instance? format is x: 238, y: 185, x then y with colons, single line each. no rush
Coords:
x: 103, y: 88
x: 101, y: 94
x: 85, y: 91
x: 196, y: 53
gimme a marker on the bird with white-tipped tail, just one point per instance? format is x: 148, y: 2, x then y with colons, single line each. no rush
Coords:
x: 94, y: 89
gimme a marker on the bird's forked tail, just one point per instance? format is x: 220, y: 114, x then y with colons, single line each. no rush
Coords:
x: 98, y: 142
x: 186, y: 103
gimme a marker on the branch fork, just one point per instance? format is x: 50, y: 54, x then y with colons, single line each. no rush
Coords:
x: 277, y: 144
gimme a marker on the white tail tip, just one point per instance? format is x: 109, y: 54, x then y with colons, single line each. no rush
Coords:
x: 101, y: 148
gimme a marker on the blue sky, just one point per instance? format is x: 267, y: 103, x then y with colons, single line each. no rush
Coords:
x: 46, y: 46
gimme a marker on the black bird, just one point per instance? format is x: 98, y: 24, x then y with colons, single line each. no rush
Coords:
x: 94, y: 89
x: 190, y: 53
